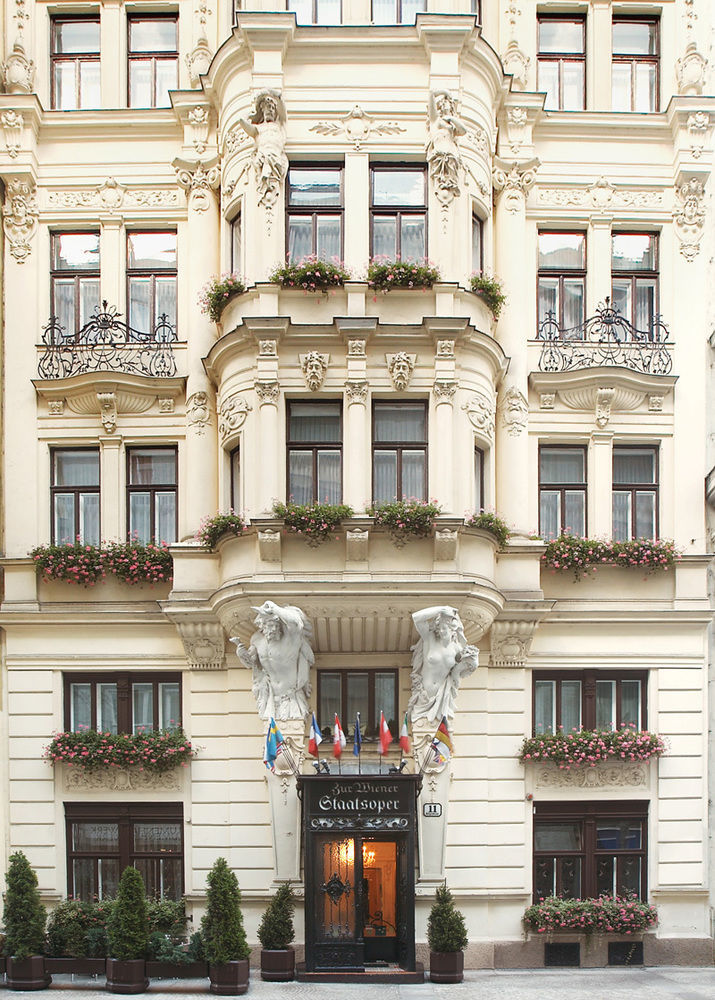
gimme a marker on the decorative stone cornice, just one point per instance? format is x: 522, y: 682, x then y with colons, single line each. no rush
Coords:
x: 115, y: 779
x: 603, y: 392
x: 510, y: 642
x: 204, y: 644
x: 514, y: 180
x: 198, y: 179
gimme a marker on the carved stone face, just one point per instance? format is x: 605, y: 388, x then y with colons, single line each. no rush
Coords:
x: 445, y: 105
x: 400, y: 370
x: 269, y: 625
x: 314, y: 370
x: 269, y: 110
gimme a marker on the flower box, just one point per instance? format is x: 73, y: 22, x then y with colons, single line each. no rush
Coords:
x: 177, y: 970
x: 586, y: 748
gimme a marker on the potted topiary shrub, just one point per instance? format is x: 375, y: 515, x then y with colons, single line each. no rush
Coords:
x: 128, y: 936
x: 25, y: 919
x: 224, y: 938
x: 447, y: 939
x: 276, y: 932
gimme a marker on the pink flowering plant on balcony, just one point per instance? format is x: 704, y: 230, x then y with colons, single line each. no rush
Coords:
x: 155, y: 751
x: 585, y: 747
x: 604, y: 915
x: 487, y: 520
x: 315, y: 522
x: 311, y: 274
x: 218, y: 292
x: 215, y: 527
x: 584, y: 555
x: 489, y: 290
x: 132, y: 562
x: 384, y: 274
x: 405, y: 518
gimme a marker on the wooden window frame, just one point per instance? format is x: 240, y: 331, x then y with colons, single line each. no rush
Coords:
x: 478, y: 224
x: 313, y: 211
x: 124, y: 681
x: 634, y: 59
x: 76, y: 491
x: 152, y: 274
x: 75, y: 57
x: 76, y: 274
x: 564, y: 57
x: 397, y: 211
x: 125, y: 815
x: 348, y: 724
x: 156, y: 54
x: 564, y: 488
x: 588, y: 815
x: 563, y: 274
x: 400, y: 446
x: 314, y: 15
x: 315, y: 447
x: 588, y: 679
x: 153, y: 488
x: 634, y: 488
x: 636, y: 274
x: 398, y: 13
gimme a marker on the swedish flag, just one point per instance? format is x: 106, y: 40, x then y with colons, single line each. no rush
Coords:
x: 274, y: 745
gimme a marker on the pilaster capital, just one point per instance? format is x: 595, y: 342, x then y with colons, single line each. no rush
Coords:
x: 514, y: 179
x: 198, y: 178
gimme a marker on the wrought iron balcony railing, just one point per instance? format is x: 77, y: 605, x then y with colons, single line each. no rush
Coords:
x: 606, y: 339
x: 107, y: 343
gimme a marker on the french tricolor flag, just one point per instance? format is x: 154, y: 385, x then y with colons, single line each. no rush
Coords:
x: 315, y: 737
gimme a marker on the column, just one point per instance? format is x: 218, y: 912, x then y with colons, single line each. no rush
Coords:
x: 513, y: 180
x: 600, y: 472
x: 356, y: 447
x: 442, y: 443
x: 199, y: 260
x: 598, y: 280
x: 110, y: 526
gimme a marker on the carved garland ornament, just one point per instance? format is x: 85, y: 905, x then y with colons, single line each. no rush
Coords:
x: 357, y: 127
x: 120, y: 780
x: 610, y: 776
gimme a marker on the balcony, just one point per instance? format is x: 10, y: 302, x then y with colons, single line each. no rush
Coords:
x: 107, y: 344
x: 606, y: 340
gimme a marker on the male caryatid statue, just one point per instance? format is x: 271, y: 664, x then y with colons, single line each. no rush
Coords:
x: 440, y: 658
x: 280, y: 656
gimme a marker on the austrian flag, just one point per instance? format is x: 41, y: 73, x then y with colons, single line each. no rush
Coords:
x: 338, y: 737
x: 385, y: 738
x: 315, y: 737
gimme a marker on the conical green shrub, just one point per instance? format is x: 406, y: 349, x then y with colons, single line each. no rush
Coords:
x: 276, y: 930
x: 445, y: 927
x: 25, y: 916
x: 128, y: 924
x: 222, y: 925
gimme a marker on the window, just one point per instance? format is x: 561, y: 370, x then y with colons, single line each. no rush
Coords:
x: 75, y: 279
x: 151, y: 494
x: 634, y: 278
x: 399, y: 451
x: 397, y: 11
x: 562, y: 491
x: 477, y: 244
x: 314, y: 452
x: 589, y: 700
x: 561, y: 62
x: 104, y: 838
x: 478, y: 479
x: 562, y: 282
x: 151, y: 281
x: 586, y: 849
x: 235, y: 459
x: 635, y: 492
x: 399, y: 213
x: 314, y: 223
x: 75, y: 495
x: 122, y: 703
x: 316, y: 11
x: 75, y: 63
x: 153, y: 61
x: 634, y: 73
x: 236, y: 244
x: 348, y: 692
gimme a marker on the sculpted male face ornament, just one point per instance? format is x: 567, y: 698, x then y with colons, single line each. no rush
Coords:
x: 400, y: 370
x: 314, y: 367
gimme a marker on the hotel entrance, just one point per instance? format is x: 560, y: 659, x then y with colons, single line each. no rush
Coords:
x: 359, y: 873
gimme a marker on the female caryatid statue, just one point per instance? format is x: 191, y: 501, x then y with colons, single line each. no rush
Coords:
x: 280, y: 656
x: 442, y: 151
x: 267, y: 129
x: 440, y: 658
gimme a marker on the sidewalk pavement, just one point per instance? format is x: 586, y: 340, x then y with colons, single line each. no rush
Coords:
x: 662, y: 983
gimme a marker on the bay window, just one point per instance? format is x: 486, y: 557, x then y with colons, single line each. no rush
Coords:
x: 314, y: 452
x: 314, y: 223
x: 399, y: 213
x: 399, y: 451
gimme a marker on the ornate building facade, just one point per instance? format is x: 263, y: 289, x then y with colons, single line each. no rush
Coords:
x: 564, y: 149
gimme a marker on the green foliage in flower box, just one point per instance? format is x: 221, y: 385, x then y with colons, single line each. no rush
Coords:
x: 491, y: 522
x: 148, y: 751
x: 316, y: 522
x: 311, y: 274
x: 588, y: 747
x: 23, y: 912
x: 213, y: 528
x: 605, y: 915
x: 490, y: 290
x: 77, y: 928
x: 585, y: 555
x: 405, y: 518
x: 384, y: 274
x: 218, y: 292
x: 131, y: 562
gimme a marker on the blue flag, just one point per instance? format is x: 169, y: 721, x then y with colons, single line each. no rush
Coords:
x: 357, y: 744
x: 274, y: 745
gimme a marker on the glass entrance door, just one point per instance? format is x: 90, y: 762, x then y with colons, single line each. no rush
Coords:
x: 379, y: 900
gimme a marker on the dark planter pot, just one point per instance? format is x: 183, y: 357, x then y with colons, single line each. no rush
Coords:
x: 27, y: 973
x: 229, y: 980
x: 76, y: 966
x: 126, y: 975
x: 176, y: 970
x: 446, y: 966
x: 278, y: 965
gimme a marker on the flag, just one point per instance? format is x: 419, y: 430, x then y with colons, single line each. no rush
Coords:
x: 338, y: 737
x: 385, y: 738
x: 315, y: 737
x: 274, y: 745
x: 404, y: 738
x: 357, y: 742
x: 441, y: 744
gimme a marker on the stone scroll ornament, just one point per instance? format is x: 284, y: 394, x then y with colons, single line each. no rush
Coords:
x: 440, y: 658
x: 280, y: 656
x: 267, y: 129
x: 443, y: 156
